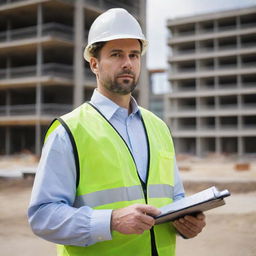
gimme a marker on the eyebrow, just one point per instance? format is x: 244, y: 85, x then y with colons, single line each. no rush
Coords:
x: 119, y: 50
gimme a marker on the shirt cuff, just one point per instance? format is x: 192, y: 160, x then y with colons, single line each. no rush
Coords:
x: 100, y: 225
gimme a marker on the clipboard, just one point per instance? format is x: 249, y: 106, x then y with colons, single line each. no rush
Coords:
x: 200, y: 202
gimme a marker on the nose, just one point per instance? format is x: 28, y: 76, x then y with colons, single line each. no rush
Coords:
x: 127, y: 64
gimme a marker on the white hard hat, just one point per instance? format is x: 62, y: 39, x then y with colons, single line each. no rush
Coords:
x: 113, y: 24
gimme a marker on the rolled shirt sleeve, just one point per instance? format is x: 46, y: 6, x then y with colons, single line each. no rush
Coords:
x: 50, y: 212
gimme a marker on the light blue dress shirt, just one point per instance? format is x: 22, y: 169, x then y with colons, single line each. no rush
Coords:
x: 50, y: 212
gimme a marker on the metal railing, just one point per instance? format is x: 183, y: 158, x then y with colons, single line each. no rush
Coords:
x: 55, y: 69
x: 18, y: 72
x: 50, y: 69
x: 31, y: 109
x: 58, y: 30
x: 48, y: 29
x: 55, y: 109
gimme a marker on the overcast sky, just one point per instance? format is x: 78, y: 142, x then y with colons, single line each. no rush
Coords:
x: 158, y: 11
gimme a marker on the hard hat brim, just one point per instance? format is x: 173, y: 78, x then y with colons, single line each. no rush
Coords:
x: 88, y: 56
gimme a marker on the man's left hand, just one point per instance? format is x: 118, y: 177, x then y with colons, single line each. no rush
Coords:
x: 190, y: 226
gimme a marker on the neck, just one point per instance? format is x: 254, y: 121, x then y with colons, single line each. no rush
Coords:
x: 121, y: 100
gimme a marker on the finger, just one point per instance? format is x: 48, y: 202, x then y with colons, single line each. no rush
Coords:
x: 139, y: 231
x: 144, y: 226
x: 148, y: 209
x: 184, y: 230
x: 200, y: 216
x: 147, y: 219
x: 194, y: 227
x: 198, y: 223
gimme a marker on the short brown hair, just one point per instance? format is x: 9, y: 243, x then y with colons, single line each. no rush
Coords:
x: 96, y: 48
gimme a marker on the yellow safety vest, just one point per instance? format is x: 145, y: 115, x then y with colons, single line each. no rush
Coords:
x: 108, y: 178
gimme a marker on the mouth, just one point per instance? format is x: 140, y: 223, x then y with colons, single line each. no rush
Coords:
x: 125, y: 76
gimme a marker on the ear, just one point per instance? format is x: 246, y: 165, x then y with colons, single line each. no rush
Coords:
x: 94, y: 65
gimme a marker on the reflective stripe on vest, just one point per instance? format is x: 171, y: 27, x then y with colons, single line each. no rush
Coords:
x: 109, y: 196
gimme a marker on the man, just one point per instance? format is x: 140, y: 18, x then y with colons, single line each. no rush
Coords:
x: 107, y: 166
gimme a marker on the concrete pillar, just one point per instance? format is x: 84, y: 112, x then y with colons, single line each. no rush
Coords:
x: 199, y: 146
x: 79, y: 28
x: 218, y: 145
x: 199, y: 141
x: 239, y: 62
x: 39, y: 72
x: 216, y: 82
x: 39, y: 20
x: 215, y: 26
x: 166, y: 107
x: 8, y: 67
x: 198, y: 84
x: 39, y: 60
x: 240, y: 141
x: 174, y: 124
x: 239, y: 102
x: 239, y: 81
x: 144, y: 75
x: 215, y: 44
x: 8, y: 30
x: 238, y: 22
x: 38, y: 100
x: 38, y: 144
x: 197, y: 46
x: 143, y: 85
x: 215, y: 64
x: 197, y: 28
x: 39, y: 97
x: 39, y: 57
x: 8, y: 102
x: 8, y: 140
x: 177, y: 145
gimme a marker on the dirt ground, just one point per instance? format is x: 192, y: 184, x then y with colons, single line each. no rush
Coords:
x: 230, y: 230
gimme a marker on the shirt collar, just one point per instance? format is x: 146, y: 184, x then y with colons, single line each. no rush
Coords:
x: 107, y: 107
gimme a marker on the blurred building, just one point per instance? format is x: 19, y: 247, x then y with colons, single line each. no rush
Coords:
x: 158, y: 81
x: 212, y: 106
x: 42, y: 71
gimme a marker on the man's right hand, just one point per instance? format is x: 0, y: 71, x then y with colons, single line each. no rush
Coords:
x: 134, y: 219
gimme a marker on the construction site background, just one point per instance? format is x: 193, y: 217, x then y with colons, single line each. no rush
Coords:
x: 230, y: 229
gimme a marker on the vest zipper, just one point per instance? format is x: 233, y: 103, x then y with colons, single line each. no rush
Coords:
x: 143, y: 184
x: 152, y: 235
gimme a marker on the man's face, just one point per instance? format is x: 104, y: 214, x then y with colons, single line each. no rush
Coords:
x: 118, y: 66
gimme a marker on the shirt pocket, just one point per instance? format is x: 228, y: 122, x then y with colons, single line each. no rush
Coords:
x: 166, y: 167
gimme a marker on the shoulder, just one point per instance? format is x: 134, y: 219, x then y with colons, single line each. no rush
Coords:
x: 58, y: 139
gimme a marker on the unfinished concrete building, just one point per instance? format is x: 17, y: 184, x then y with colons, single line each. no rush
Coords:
x: 212, y: 106
x: 42, y: 71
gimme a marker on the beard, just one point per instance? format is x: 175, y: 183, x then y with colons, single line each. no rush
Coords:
x: 121, y: 85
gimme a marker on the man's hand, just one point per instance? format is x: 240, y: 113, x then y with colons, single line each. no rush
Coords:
x: 134, y: 219
x: 190, y: 226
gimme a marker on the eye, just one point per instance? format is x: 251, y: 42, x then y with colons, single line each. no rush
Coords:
x: 115, y: 54
x: 134, y: 56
